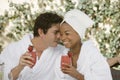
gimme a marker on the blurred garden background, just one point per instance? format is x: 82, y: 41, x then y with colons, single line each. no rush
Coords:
x: 18, y: 18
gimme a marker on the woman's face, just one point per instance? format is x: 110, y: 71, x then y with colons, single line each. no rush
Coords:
x: 69, y: 36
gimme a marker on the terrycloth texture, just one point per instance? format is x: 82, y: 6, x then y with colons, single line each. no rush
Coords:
x: 78, y: 20
x: 43, y: 70
x: 90, y: 63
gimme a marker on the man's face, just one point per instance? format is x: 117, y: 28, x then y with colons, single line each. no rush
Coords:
x: 52, y: 36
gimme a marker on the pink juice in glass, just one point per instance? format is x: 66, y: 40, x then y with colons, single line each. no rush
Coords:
x: 65, y: 59
x: 33, y: 54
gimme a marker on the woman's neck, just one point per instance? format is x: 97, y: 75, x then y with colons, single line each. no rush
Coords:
x: 76, y: 49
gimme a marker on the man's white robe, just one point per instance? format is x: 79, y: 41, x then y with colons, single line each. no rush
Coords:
x: 90, y: 63
x: 43, y: 69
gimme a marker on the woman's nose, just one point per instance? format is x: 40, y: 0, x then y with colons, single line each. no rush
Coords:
x: 62, y: 37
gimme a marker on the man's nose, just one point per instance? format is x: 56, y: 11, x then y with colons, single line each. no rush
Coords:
x: 58, y: 35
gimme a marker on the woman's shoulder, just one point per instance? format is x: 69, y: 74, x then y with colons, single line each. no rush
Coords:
x: 90, y: 47
x: 89, y: 43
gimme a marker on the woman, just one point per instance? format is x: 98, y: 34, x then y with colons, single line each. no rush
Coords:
x: 87, y: 62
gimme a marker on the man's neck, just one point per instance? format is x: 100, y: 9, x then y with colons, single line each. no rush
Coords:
x: 38, y: 44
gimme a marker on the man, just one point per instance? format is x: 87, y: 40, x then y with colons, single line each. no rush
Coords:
x: 19, y: 63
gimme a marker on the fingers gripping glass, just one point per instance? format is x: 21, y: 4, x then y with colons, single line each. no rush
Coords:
x: 66, y: 59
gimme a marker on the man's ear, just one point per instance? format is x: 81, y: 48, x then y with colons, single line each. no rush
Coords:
x: 40, y: 32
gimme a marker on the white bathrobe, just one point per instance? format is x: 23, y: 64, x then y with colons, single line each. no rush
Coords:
x: 44, y: 67
x: 90, y: 63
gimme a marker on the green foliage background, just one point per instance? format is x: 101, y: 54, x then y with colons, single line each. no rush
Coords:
x: 19, y: 20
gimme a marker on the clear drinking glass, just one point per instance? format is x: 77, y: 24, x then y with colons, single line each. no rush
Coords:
x: 67, y: 60
x: 1, y: 71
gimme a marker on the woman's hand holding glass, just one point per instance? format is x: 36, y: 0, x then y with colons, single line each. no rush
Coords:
x: 70, y: 70
x: 67, y: 68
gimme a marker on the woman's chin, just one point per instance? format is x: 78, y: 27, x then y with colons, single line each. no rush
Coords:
x: 67, y: 46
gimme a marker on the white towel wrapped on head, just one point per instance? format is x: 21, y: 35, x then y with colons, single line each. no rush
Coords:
x: 78, y: 20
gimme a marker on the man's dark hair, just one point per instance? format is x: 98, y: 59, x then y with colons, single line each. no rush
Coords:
x: 45, y: 20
